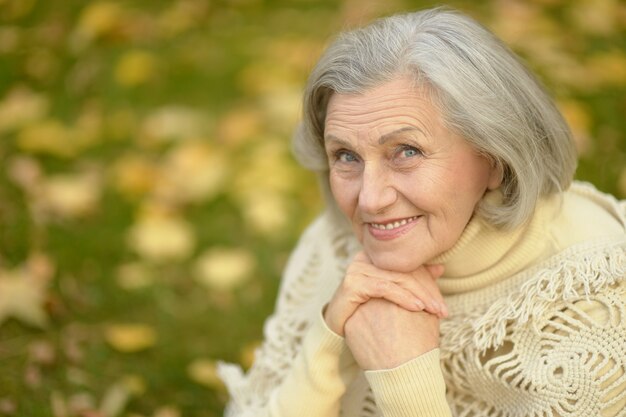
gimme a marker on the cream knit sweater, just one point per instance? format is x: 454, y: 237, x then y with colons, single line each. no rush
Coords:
x: 537, y: 326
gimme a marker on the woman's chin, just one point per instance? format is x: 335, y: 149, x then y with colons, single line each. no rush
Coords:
x: 389, y: 262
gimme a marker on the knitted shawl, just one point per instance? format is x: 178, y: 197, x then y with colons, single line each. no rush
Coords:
x: 547, y: 341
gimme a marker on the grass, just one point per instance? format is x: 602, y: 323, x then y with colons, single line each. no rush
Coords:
x: 226, y: 75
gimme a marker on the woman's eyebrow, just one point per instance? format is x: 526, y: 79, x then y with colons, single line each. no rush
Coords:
x: 333, y: 138
x: 384, y: 138
x: 381, y: 141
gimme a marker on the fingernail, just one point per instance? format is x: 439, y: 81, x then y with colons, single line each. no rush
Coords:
x: 444, y: 310
x: 436, y: 307
x: 419, y: 304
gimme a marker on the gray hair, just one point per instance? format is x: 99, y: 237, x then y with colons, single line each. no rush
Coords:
x: 483, y: 91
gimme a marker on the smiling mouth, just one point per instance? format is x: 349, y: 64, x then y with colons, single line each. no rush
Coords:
x: 393, y: 225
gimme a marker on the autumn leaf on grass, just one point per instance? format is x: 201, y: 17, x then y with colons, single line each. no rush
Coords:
x: 160, y: 238
x: 247, y: 354
x: 134, y: 174
x: 264, y: 76
x: 268, y: 168
x: 53, y: 137
x: 97, y: 19
x: 224, y: 268
x: 204, y: 372
x: 130, y: 337
x: 21, y: 107
x: 193, y: 171
x: 22, y: 296
x: 7, y: 406
x: 239, y: 126
x: 70, y: 195
x: 25, y: 172
x: 267, y: 213
x: 134, y: 275
x: 135, y: 68
x: 166, y: 411
x: 609, y: 68
x: 595, y: 17
x: 118, y: 395
x: 283, y: 109
x: 173, y: 122
x: 113, y: 403
x: 50, y: 137
x: 181, y: 16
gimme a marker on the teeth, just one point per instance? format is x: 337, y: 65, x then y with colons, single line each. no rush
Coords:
x: 390, y: 226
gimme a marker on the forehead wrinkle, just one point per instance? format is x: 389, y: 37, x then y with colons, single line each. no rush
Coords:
x: 384, y: 138
x: 371, y: 111
x: 333, y: 138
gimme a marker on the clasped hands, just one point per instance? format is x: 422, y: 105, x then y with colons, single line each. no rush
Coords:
x: 387, y: 318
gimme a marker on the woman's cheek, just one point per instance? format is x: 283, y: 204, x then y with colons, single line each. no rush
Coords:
x: 343, y: 191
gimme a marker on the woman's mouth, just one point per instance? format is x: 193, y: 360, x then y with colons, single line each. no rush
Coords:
x: 394, y: 224
x: 391, y: 229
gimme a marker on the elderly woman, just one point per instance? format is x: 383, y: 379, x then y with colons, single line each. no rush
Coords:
x: 458, y: 270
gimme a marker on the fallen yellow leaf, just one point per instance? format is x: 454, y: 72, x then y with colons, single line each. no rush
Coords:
x: 167, y: 411
x: 130, y: 338
x: 204, y: 372
x: 25, y: 172
x: 135, y: 67
x: 22, y: 296
x: 134, y: 175
x: 99, y: 18
x: 193, y: 171
x: 21, y: 107
x: 239, y: 125
x: 162, y: 239
x: 609, y: 68
x: 596, y: 17
x: 48, y: 136
x: 134, y: 275
x: 267, y: 213
x: 173, y: 122
x: 70, y: 196
x: 246, y: 357
x: 224, y: 268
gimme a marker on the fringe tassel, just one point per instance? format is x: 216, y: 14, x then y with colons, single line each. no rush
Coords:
x: 571, y: 279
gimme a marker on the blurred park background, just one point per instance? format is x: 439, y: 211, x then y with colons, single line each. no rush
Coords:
x: 148, y: 197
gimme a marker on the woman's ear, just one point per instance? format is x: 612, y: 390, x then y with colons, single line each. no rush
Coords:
x: 496, y: 175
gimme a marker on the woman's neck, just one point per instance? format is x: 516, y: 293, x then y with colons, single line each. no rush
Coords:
x: 485, y: 255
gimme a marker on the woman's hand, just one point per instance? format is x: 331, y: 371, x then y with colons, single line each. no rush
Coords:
x: 382, y: 335
x: 413, y: 292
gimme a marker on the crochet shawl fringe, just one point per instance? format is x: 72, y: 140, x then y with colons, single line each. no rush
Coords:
x: 575, y: 276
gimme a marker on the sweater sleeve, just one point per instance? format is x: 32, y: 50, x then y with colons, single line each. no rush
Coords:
x: 302, y: 367
x: 417, y: 385
x: 318, y: 378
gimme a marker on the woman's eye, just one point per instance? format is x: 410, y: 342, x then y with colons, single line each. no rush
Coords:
x: 345, y: 156
x: 407, y: 151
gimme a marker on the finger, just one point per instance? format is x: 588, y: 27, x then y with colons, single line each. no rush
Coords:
x: 392, y: 292
x: 357, y: 289
x: 428, y: 292
x: 421, y: 285
x: 427, y: 276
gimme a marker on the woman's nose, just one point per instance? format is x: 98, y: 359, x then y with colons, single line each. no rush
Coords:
x: 377, y: 190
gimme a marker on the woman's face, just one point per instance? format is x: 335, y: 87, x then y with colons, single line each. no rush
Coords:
x: 408, y: 185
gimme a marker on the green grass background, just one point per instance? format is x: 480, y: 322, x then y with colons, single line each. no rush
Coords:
x: 82, y: 85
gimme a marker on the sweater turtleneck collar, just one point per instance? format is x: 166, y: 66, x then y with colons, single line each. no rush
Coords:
x: 484, y: 255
